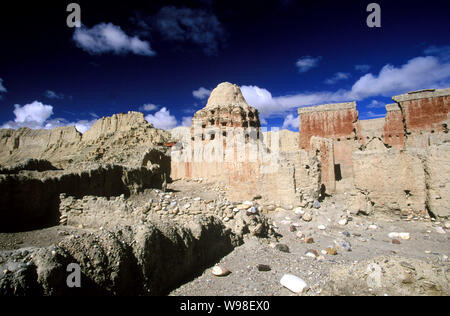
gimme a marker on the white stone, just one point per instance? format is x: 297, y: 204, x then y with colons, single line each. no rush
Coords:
x: 299, y: 211
x: 187, y: 206
x: 393, y: 235
x: 404, y: 236
x: 284, y: 222
x: 373, y: 226
x: 343, y: 222
x: 293, y: 283
x: 197, y: 199
x: 322, y: 227
x: 220, y: 271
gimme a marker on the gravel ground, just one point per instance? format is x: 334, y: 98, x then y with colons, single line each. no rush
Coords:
x: 367, y: 241
x: 367, y: 236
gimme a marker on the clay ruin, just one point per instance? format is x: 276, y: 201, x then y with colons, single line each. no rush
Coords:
x: 387, y: 164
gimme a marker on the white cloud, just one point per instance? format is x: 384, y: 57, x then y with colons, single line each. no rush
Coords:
x: 362, y: 68
x: 109, y: 38
x: 2, y: 87
x: 53, y: 95
x: 268, y: 106
x: 201, y: 93
x: 148, y: 107
x: 338, y: 77
x: 83, y: 125
x: 162, y: 119
x: 306, y: 63
x: 417, y: 73
x: 37, y: 116
x: 291, y: 121
x: 186, y: 121
x: 35, y: 112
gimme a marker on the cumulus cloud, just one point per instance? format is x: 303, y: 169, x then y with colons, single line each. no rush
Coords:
x: 201, y: 93
x: 35, y: 112
x: 306, y: 63
x: 109, y: 38
x: 84, y: 125
x: 338, y: 77
x: 268, y: 105
x: 53, y: 95
x: 291, y: 121
x: 417, y: 73
x: 36, y: 115
x: 148, y: 107
x: 2, y: 87
x: 363, y: 68
x: 162, y: 119
x: 197, y: 26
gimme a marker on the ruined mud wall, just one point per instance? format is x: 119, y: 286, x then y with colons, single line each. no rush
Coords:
x: 227, y: 146
x: 30, y: 200
x: 388, y: 164
x: 339, y: 123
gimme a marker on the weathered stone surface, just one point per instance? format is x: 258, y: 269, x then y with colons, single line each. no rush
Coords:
x: 437, y: 166
x: 392, y: 180
x: 388, y: 275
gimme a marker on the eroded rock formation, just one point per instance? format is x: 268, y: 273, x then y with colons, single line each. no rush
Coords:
x: 120, y: 154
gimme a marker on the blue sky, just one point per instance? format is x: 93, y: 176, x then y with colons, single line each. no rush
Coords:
x: 163, y: 58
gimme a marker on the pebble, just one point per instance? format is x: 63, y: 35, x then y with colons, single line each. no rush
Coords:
x: 252, y: 210
x: 299, y: 234
x: 343, y: 222
x: 292, y: 228
x: 311, y: 253
x: 309, y: 240
x: 447, y: 225
x: 187, y: 206
x: 197, y: 198
x: 331, y: 251
x: 404, y: 236
x: 346, y: 234
x: 282, y: 247
x: 322, y: 227
x: 307, y: 217
x: 373, y: 226
x: 346, y: 245
x: 263, y: 267
x: 316, y: 204
x: 293, y: 283
x: 299, y: 211
x: 396, y: 242
x: 220, y: 271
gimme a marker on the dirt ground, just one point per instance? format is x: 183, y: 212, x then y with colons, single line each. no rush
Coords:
x: 365, y: 236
